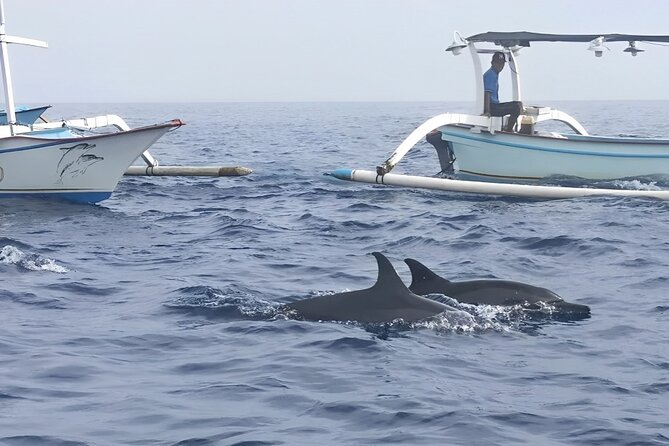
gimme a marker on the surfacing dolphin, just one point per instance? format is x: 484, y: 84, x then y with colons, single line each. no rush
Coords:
x: 387, y: 300
x: 491, y: 292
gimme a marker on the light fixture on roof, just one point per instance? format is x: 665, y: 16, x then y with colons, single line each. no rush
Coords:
x: 458, y: 44
x: 597, y: 45
x: 632, y: 49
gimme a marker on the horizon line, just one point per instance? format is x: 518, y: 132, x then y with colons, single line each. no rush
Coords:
x: 389, y: 101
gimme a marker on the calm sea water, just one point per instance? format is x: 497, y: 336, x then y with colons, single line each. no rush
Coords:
x: 152, y: 318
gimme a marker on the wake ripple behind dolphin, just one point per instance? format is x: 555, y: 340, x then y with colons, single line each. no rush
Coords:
x: 387, y: 300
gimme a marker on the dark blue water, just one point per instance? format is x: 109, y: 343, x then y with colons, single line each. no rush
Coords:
x: 152, y: 319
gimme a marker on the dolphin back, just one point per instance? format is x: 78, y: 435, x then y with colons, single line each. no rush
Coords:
x: 490, y: 292
x: 387, y: 300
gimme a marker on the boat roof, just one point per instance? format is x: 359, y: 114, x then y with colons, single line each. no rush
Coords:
x: 523, y: 38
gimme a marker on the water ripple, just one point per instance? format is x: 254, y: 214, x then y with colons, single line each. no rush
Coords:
x: 158, y: 317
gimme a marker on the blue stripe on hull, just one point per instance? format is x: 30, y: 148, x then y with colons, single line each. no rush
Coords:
x: 77, y: 197
x: 50, y: 143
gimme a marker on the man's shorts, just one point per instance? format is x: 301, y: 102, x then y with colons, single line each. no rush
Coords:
x: 506, y: 108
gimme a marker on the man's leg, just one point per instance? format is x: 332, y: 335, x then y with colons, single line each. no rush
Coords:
x: 513, y: 109
x: 513, y: 115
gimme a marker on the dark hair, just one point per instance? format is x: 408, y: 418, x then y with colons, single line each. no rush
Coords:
x: 498, y: 56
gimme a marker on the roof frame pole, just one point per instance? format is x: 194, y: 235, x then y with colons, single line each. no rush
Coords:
x: 515, y: 76
x: 6, y: 74
x: 478, y: 77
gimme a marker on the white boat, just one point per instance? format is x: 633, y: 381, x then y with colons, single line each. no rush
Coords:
x: 66, y: 159
x: 62, y: 163
x: 474, y: 145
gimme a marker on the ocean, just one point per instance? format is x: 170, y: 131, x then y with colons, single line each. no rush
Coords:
x: 154, y: 318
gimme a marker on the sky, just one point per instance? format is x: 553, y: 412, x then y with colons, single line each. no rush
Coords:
x: 320, y: 50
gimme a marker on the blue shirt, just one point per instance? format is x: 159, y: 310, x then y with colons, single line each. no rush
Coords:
x: 491, y: 84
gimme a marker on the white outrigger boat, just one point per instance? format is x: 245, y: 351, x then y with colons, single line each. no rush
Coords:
x: 65, y: 159
x: 474, y: 145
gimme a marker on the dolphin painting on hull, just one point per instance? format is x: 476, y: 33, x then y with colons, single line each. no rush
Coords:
x: 75, y: 160
x: 491, y: 292
x: 387, y: 300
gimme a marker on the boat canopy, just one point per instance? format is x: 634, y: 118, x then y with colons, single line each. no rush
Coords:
x: 523, y: 38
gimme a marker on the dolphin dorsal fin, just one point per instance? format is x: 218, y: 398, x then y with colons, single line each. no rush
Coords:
x: 388, y: 277
x: 419, y: 272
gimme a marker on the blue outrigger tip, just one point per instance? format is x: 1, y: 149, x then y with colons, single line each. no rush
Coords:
x: 343, y: 174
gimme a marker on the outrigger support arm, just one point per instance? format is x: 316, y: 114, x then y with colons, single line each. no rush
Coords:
x: 541, y: 114
x: 431, y: 124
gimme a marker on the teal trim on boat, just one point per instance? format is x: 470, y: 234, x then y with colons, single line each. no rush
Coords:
x: 24, y: 115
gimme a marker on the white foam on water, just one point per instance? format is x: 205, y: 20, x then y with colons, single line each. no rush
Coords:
x: 461, y: 321
x: 11, y: 255
x: 637, y: 185
x: 42, y: 264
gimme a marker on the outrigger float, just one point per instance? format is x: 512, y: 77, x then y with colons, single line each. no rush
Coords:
x: 66, y: 159
x: 474, y: 147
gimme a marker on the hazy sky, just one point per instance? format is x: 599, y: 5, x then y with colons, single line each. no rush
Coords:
x: 319, y: 50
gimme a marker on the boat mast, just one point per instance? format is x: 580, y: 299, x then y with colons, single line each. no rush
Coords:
x: 478, y: 76
x: 6, y: 74
x: 515, y: 75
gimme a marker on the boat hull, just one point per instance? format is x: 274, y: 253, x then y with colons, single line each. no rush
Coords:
x: 527, y: 157
x: 25, y: 115
x: 85, y: 169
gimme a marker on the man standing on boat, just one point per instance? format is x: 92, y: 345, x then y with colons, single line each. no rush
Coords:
x: 491, y: 104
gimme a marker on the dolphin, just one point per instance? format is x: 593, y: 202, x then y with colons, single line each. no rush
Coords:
x: 388, y: 299
x: 490, y: 292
